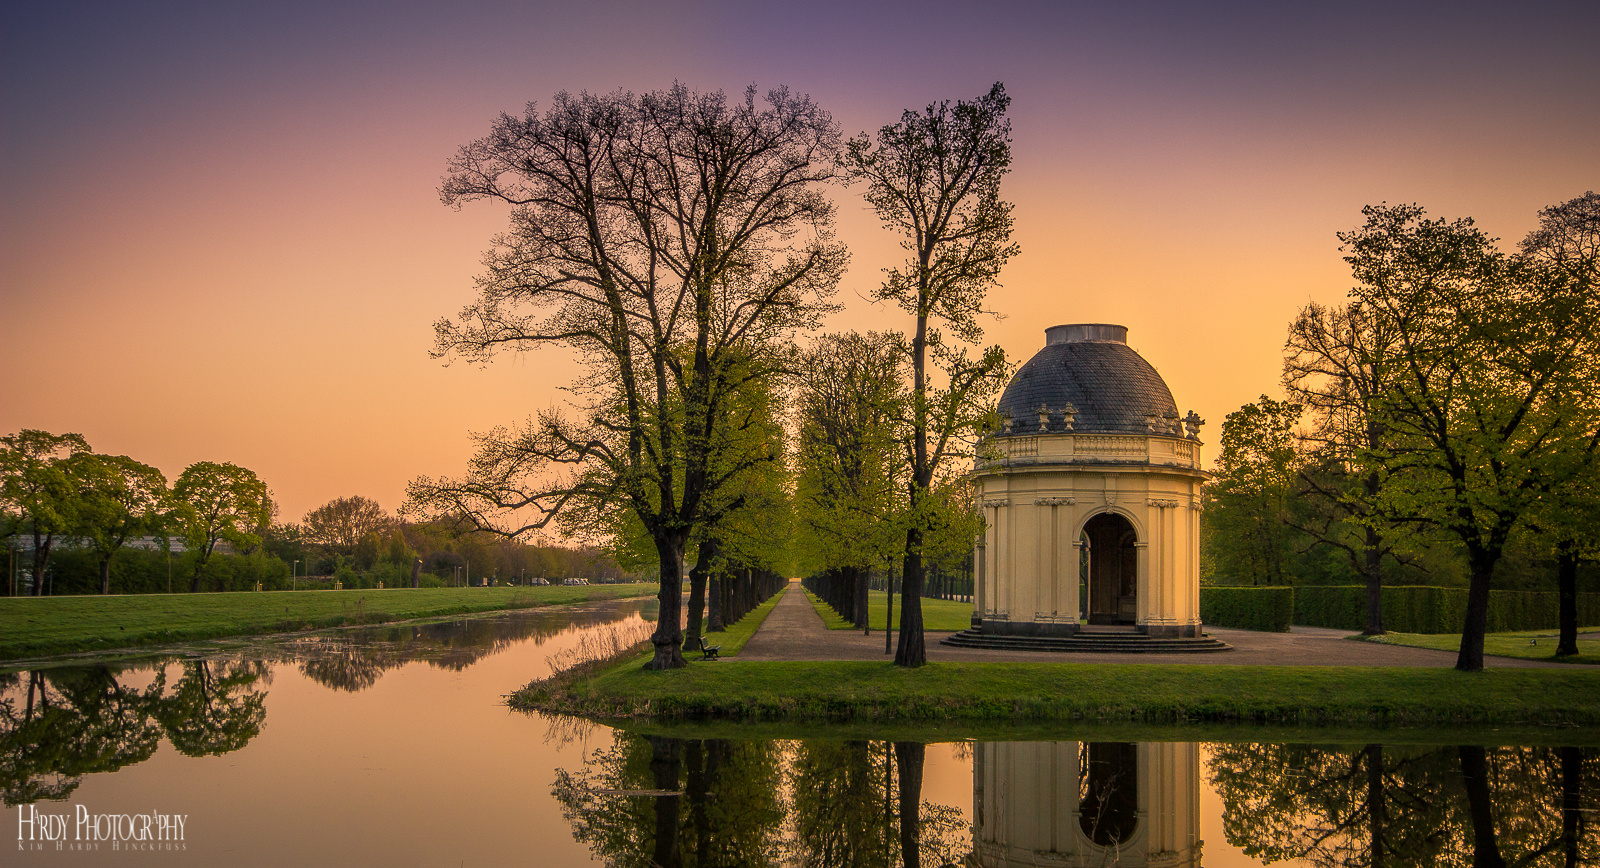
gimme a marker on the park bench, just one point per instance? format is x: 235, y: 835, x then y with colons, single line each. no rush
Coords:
x: 710, y: 651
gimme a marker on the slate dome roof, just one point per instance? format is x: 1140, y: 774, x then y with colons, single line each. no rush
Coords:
x: 1092, y: 366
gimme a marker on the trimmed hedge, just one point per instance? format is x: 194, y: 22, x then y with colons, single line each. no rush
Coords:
x: 1425, y: 609
x: 1268, y: 609
x: 142, y: 571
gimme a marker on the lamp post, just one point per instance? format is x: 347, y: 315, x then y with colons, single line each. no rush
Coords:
x: 294, y: 572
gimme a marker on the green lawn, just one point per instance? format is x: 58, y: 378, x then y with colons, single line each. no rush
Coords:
x: 34, y: 627
x: 1528, y: 644
x: 937, y: 615
x: 1292, y: 695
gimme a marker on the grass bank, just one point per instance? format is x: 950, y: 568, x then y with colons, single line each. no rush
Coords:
x: 937, y: 615
x: 576, y: 676
x: 965, y: 693
x: 38, y: 627
x: 1527, y: 644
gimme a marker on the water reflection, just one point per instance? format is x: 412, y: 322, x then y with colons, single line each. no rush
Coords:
x: 62, y: 723
x: 58, y: 725
x: 1384, y: 805
x: 354, y: 660
x: 589, y: 793
x: 650, y: 800
x: 1086, y: 803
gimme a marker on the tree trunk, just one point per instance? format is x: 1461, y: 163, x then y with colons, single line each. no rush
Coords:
x: 909, y: 755
x: 861, y: 578
x: 1372, y: 566
x: 1567, y: 591
x: 697, y: 594
x: 912, y: 650
x: 714, y: 599
x: 41, y: 559
x: 1475, y: 773
x: 105, y: 574
x: 416, y: 572
x: 1482, y: 560
x: 888, y: 619
x: 668, y: 638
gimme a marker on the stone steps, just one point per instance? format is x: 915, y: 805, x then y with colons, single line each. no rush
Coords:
x: 1091, y: 642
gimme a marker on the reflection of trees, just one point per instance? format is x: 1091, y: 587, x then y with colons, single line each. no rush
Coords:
x: 860, y: 804
x: 703, y: 804
x: 354, y: 660
x: 1424, y: 806
x: 661, y: 801
x: 68, y: 723
x: 211, y: 710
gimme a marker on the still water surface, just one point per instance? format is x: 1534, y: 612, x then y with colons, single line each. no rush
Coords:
x: 391, y: 746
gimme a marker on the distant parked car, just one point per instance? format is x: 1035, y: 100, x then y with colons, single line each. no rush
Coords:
x: 575, y: 581
x: 536, y: 580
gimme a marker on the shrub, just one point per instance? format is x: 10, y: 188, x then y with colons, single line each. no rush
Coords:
x: 1267, y: 608
x: 1426, y: 609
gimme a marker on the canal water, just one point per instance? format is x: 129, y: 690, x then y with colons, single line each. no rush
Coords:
x: 391, y: 746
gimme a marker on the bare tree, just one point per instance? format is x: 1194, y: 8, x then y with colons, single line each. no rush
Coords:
x: 672, y: 241
x: 935, y: 178
x: 340, y: 524
x: 1338, y: 364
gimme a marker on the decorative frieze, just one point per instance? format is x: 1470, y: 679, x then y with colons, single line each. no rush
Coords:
x: 1055, y: 501
x: 1162, y: 503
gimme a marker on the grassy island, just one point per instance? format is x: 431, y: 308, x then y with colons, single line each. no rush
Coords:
x: 41, y: 626
x: 971, y: 693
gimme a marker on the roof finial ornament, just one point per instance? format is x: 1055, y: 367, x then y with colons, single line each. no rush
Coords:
x: 1044, y: 418
x: 1192, y: 423
x: 1006, y: 421
x: 1152, y: 422
x: 1067, y: 413
x: 1170, y: 422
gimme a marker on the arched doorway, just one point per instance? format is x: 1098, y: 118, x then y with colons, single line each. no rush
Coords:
x: 1113, y: 574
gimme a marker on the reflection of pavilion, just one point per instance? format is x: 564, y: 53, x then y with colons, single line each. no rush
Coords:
x: 1086, y: 804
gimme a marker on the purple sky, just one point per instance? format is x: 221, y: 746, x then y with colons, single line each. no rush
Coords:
x: 222, y: 240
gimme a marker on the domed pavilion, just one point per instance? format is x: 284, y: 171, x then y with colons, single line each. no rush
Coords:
x: 1091, y: 499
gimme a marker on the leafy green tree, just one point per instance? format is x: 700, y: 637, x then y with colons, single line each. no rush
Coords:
x: 1248, y: 503
x: 216, y: 502
x: 1497, y: 403
x: 672, y: 242
x: 1567, y: 242
x: 934, y: 177
x: 118, y: 498
x: 35, y: 482
x: 847, y: 400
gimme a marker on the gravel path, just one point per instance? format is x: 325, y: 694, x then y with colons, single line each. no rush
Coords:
x: 794, y: 631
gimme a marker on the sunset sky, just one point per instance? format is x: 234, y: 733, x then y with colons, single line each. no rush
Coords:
x: 221, y: 237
